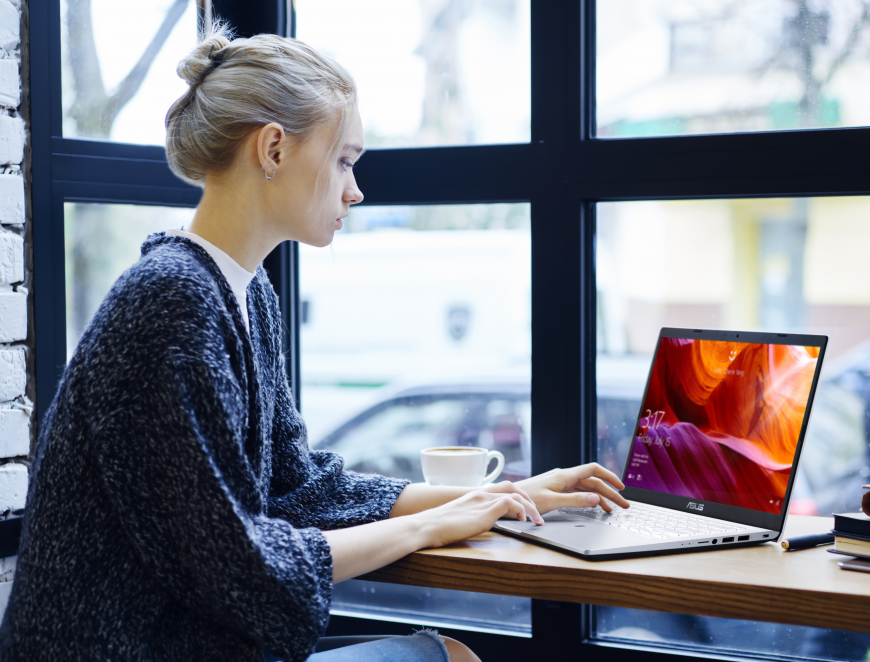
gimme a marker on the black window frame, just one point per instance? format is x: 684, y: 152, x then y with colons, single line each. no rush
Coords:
x: 562, y: 172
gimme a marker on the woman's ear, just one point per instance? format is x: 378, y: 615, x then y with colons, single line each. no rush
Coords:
x: 271, y: 148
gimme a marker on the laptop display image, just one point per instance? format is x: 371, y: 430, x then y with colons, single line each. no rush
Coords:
x: 714, y: 452
x: 721, y: 421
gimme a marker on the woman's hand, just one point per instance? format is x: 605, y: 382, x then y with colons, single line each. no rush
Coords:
x: 578, y: 487
x: 360, y: 549
x: 475, y: 512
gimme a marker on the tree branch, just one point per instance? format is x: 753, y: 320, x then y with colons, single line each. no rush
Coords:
x: 128, y: 87
x: 849, y: 46
x: 84, y: 62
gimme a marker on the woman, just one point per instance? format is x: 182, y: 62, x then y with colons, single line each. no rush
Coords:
x: 175, y: 512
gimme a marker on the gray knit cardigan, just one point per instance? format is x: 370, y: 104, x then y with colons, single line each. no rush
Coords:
x: 175, y: 511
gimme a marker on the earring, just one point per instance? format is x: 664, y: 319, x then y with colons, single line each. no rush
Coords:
x: 269, y: 177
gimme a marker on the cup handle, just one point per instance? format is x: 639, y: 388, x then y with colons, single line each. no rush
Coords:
x: 491, y: 476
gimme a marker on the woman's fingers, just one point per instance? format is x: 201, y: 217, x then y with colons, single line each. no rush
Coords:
x: 507, y: 486
x: 505, y: 506
x: 475, y: 513
x: 595, y: 470
x: 513, y: 487
x: 593, y: 477
x: 605, y: 490
x: 588, y: 485
x: 586, y: 500
x: 579, y: 500
x: 517, y: 506
x: 510, y: 503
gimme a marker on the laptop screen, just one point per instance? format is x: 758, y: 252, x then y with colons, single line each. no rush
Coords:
x: 721, y: 421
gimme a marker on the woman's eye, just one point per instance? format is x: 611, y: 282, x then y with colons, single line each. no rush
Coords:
x: 346, y: 164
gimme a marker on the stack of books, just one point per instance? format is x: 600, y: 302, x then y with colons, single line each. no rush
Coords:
x: 852, y: 538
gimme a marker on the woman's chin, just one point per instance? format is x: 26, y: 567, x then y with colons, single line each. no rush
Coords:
x: 320, y: 241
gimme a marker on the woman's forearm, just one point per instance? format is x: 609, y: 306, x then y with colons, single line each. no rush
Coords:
x: 361, y: 549
x: 446, y: 515
x: 417, y: 497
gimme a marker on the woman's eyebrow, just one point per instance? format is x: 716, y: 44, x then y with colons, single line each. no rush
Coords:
x: 355, y: 148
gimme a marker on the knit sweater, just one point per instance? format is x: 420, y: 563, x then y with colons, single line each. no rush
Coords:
x: 175, y: 511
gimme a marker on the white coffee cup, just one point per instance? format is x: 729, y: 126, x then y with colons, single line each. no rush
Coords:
x: 460, y: 466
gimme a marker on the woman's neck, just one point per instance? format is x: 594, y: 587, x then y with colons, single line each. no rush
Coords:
x: 231, y: 217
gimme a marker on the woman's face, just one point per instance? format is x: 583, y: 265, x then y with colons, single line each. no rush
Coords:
x: 314, y: 213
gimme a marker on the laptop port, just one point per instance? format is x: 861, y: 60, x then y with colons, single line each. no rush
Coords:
x: 715, y: 540
x: 731, y: 539
x: 742, y: 538
x: 703, y: 542
x: 765, y: 535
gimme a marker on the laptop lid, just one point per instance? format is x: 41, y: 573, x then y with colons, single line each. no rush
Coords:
x: 722, y: 422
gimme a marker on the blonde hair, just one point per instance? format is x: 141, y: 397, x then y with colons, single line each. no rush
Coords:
x: 237, y: 85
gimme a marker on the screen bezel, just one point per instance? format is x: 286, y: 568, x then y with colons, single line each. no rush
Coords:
x: 712, y: 509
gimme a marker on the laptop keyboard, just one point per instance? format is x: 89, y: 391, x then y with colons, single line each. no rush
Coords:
x: 658, y: 523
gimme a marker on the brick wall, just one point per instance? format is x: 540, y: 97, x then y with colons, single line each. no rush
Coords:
x: 15, y: 406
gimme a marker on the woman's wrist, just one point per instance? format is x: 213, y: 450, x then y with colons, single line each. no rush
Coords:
x: 361, y: 549
x: 422, y: 531
x: 417, y: 497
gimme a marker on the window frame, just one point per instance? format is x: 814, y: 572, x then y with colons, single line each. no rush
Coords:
x: 563, y: 172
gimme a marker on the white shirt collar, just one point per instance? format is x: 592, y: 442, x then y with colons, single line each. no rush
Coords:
x: 237, y: 276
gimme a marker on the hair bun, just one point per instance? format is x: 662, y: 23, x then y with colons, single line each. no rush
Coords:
x: 238, y: 85
x: 202, y: 59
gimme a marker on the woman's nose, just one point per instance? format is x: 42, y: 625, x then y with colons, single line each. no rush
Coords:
x: 352, y: 195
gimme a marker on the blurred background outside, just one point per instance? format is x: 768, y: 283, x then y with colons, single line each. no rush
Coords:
x: 675, y: 67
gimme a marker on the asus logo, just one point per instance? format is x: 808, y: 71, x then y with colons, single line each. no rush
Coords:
x: 695, y: 506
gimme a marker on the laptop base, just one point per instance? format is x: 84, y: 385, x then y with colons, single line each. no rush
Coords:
x: 625, y: 555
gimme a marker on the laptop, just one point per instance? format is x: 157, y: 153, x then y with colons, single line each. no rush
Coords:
x: 714, y: 452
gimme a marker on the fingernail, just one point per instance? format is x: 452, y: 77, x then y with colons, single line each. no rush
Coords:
x: 593, y: 499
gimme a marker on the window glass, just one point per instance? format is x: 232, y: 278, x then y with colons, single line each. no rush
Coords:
x: 672, y: 67
x: 731, y: 636
x: 784, y: 265
x: 100, y: 243
x: 416, y: 332
x: 430, y: 72
x: 118, y: 66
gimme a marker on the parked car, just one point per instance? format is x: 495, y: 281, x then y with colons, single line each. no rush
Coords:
x: 493, y: 413
x: 387, y: 438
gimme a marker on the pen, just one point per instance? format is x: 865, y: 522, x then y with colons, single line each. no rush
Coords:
x: 805, y: 542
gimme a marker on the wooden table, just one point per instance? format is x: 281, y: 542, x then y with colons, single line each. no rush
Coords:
x: 762, y: 583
